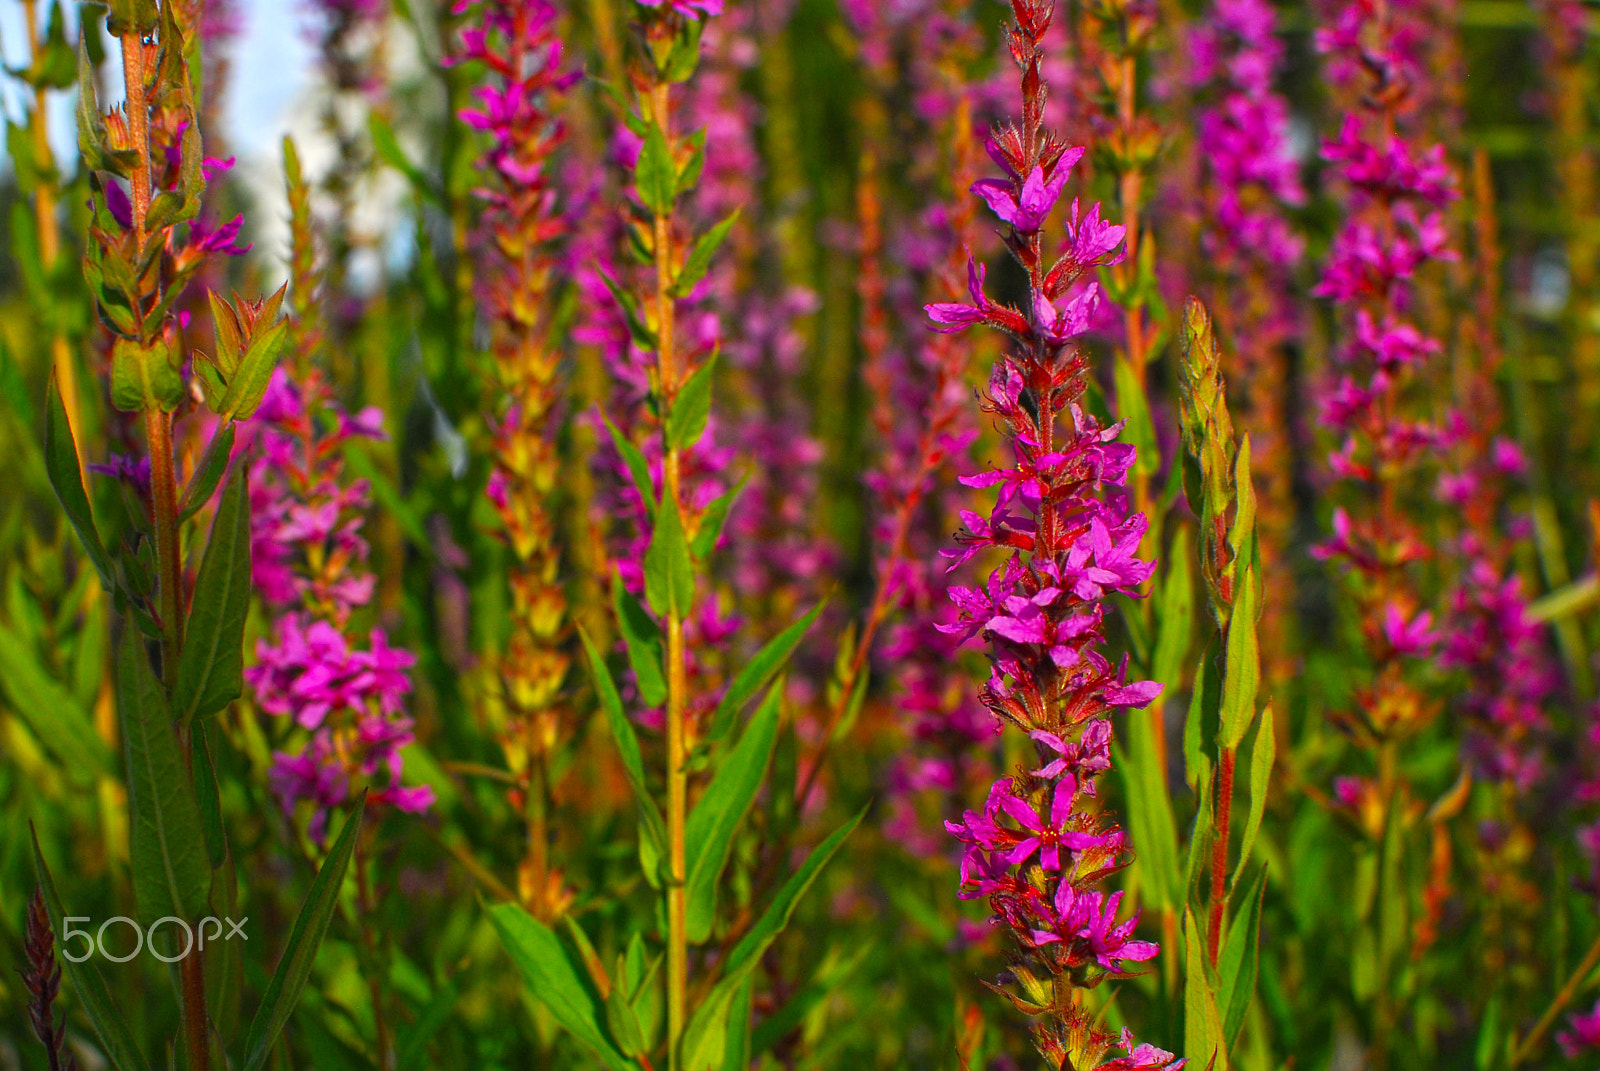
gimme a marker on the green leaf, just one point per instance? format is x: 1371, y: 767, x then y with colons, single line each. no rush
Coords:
x: 686, y: 421
x: 1243, y: 531
x: 1489, y: 1045
x: 653, y: 838
x: 736, y: 1049
x: 61, y: 462
x: 88, y: 984
x: 708, y: 834
x: 1197, y: 865
x: 712, y: 520
x: 167, y: 850
x: 203, y: 484
x: 387, y: 146
x: 555, y: 980
x: 1242, y: 676
x: 1150, y: 816
x: 1261, y: 759
x: 55, y: 717
x: 668, y: 570
x: 643, y: 638
x: 1200, y: 727
x: 206, y: 796
x: 698, y: 262
x: 757, y: 672
x: 638, y: 468
x: 642, y: 336
x: 144, y: 377
x: 1174, y: 613
x: 655, y: 175
x: 283, y: 992
x: 684, y: 55
x: 211, y: 667
x: 1238, y: 962
x: 1140, y: 431
x: 705, y: 1039
x: 248, y: 385
x: 91, y: 127
x: 1202, y: 1025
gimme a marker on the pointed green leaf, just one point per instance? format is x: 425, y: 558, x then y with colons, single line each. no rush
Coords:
x: 708, y: 834
x: 705, y: 1039
x: 1174, y: 613
x: 1244, y: 516
x: 712, y: 520
x: 1139, y: 431
x: 203, y: 484
x: 668, y: 570
x: 1200, y: 727
x: 61, y: 462
x: 643, y: 638
x: 283, y: 991
x: 757, y: 672
x: 210, y: 803
x: 686, y: 421
x: 88, y: 984
x: 1197, y: 866
x: 249, y: 384
x: 51, y: 712
x: 1238, y: 961
x: 653, y: 831
x: 555, y: 980
x: 1202, y: 1025
x: 167, y: 849
x: 638, y: 468
x: 655, y: 175
x: 698, y: 262
x: 211, y: 667
x: 1242, y: 675
x: 1261, y: 759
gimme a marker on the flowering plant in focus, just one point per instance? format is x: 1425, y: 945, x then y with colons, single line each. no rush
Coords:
x: 1037, y: 850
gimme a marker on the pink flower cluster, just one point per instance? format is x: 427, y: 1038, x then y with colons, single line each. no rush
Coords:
x: 309, y: 561
x: 1038, y: 849
x: 1395, y: 226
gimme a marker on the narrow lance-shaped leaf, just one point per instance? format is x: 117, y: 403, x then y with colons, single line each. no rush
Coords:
x: 555, y: 981
x: 1135, y: 410
x: 66, y: 477
x: 686, y: 421
x: 1242, y: 673
x: 167, y: 848
x: 1202, y: 1024
x: 705, y: 1039
x: 88, y: 984
x: 61, y: 724
x: 708, y: 834
x: 1236, y: 966
x: 211, y: 668
x: 283, y: 991
x: 655, y: 175
x: 668, y: 572
x: 1261, y: 759
x: 757, y: 672
x: 712, y: 519
x: 203, y: 484
x: 653, y: 834
x: 643, y: 639
x: 698, y: 261
x: 638, y: 468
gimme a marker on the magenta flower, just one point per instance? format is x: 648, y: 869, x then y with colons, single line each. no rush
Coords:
x: 1582, y: 1033
x: 1060, y: 514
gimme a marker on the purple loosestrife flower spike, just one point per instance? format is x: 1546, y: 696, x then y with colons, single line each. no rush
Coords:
x: 1036, y: 851
x: 309, y: 559
x: 519, y: 47
x: 1394, y: 229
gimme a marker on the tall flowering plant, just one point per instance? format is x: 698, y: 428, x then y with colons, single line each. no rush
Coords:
x: 1038, y: 850
x: 522, y: 57
x: 146, y: 244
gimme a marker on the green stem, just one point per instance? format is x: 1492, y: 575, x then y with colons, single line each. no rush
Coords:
x: 1563, y: 997
x: 677, y: 657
